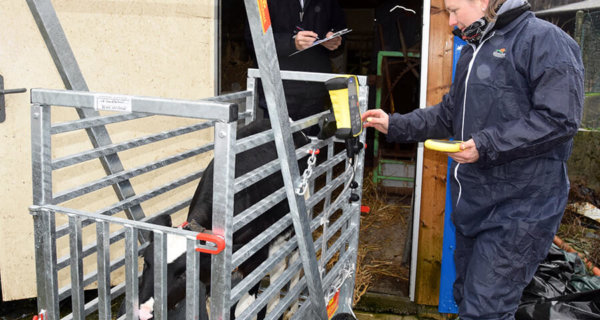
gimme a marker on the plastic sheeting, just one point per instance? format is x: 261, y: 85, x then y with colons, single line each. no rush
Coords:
x: 561, y: 289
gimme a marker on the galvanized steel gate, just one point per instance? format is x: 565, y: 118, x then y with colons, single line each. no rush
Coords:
x: 326, y: 222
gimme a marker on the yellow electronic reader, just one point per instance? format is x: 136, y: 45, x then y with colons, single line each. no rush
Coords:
x: 443, y: 145
x: 343, y: 92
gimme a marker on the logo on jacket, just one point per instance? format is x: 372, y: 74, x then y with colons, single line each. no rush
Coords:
x: 500, y: 53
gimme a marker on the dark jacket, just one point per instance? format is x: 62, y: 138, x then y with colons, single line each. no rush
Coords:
x: 320, y: 16
x: 519, y: 95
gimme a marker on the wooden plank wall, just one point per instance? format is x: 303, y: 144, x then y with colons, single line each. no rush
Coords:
x: 429, y: 258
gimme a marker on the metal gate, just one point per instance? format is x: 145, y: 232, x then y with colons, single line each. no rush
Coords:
x: 332, y: 219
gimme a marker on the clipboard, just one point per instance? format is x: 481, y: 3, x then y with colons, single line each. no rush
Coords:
x: 317, y: 42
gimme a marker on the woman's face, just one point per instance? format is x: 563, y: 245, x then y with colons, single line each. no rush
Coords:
x: 464, y: 12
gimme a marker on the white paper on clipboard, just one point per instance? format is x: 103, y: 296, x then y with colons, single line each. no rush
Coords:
x: 334, y: 35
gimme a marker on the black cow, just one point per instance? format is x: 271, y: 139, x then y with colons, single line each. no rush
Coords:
x: 200, y: 217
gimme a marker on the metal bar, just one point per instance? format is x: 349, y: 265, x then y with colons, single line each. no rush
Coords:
x: 347, y: 290
x: 45, y: 17
x: 273, y: 88
x: 302, y: 311
x: 223, y: 194
x: 257, y: 243
x: 136, y: 200
x: 131, y: 272
x: 87, y: 101
x: 273, y: 289
x: 118, y: 147
x: 41, y: 145
x: 160, y: 275
x: 90, y: 249
x: 128, y: 174
x: 104, y: 301
x: 91, y: 277
x: 230, y: 96
x: 261, y: 271
x: 49, y: 262
x: 92, y: 306
x: 75, y: 244
x: 94, y: 122
x: 138, y: 225
x: 192, y: 282
x: 256, y: 210
x: 252, y: 100
x: 261, y: 138
x: 268, y: 264
x: 41, y: 160
x: 294, y: 293
x: 264, y: 171
x: 304, y: 76
x: 184, y: 204
x: 289, y: 298
x: 260, y: 241
x: 304, y: 307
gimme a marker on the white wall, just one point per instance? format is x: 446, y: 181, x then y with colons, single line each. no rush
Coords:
x: 162, y: 48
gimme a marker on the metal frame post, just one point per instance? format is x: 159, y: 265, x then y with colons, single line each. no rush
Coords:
x: 262, y: 37
x: 42, y: 189
x: 192, y: 283
x: 347, y: 289
x: 75, y: 244
x: 223, y: 194
x: 48, y: 225
x: 103, y: 241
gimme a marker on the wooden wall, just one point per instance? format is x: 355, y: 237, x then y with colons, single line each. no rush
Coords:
x: 431, y: 231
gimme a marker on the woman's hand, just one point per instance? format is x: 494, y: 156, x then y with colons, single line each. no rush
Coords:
x: 333, y: 43
x: 377, y: 119
x: 305, y: 39
x: 468, y: 153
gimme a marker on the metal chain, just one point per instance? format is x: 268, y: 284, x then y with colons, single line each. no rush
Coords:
x: 307, y: 173
x: 346, y: 272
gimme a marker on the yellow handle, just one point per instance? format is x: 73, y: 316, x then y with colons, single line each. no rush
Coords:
x: 443, y: 145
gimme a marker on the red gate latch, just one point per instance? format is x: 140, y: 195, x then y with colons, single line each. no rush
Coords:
x: 217, y: 240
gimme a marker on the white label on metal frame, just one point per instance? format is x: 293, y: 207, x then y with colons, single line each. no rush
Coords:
x: 112, y: 103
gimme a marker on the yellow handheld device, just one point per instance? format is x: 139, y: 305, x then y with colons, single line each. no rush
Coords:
x: 344, y: 99
x: 443, y: 145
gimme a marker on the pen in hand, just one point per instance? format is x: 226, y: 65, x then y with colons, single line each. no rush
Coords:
x: 301, y: 29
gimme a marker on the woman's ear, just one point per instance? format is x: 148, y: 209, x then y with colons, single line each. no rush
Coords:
x: 484, y: 4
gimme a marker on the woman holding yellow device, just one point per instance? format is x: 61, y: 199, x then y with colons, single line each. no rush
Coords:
x: 515, y: 105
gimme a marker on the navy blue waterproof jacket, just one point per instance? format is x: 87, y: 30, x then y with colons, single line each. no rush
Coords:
x: 519, y: 96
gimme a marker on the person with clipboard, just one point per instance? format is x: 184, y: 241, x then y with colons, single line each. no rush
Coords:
x: 297, y: 24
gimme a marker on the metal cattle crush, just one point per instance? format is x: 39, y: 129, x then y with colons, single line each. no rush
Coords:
x: 80, y: 253
x: 341, y: 231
